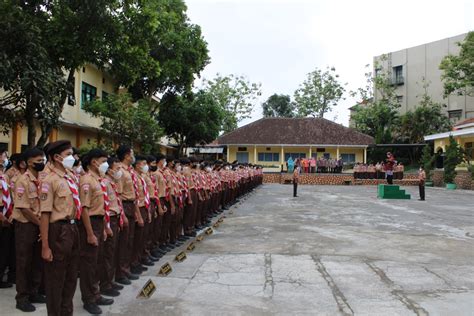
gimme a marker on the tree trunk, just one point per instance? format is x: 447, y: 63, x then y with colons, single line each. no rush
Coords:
x: 30, y: 122
x: 47, y: 125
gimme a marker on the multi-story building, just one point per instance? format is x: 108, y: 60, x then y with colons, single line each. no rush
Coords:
x: 76, y: 125
x: 412, y: 71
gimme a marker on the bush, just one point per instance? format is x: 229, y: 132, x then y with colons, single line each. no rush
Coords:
x: 454, y: 156
x: 427, y: 160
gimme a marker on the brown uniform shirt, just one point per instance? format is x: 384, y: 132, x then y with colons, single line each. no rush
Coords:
x: 125, y: 185
x: 91, y: 195
x: 56, y: 197
x: 189, y: 178
x: 141, y: 191
x: 113, y: 201
x: 161, y: 183
x: 26, y: 197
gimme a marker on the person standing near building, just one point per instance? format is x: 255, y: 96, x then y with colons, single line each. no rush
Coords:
x: 6, y: 207
x: 296, y: 178
x: 421, y: 182
x: 60, y: 207
x: 389, y: 166
x: 26, y: 215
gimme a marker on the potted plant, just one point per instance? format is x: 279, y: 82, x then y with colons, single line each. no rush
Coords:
x: 427, y: 161
x: 454, y: 156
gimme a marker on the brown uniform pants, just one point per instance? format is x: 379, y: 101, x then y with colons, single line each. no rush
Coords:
x: 29, y: 266
x: 139, y: 240
x: 165, y: 224
x: 189, y: 216
x: 158, y: 224
x: 108, y: 258
x: 173, y: 223
x: 126, y: 240
x: 89, y: 263
x: 60, y: 278
x: 180, y: 217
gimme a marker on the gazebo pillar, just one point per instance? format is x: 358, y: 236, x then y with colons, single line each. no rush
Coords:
x: 255, y: 154
x: 310, y: 151
x: 337, y: 152
x: 365, y: 155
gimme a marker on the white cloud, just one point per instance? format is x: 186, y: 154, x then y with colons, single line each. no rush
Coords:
x: 277, y: 42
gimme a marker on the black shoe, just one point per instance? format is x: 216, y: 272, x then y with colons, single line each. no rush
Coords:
x: 135, y: 270
x: 156, y: 254
x: 153, y: 258
x: 182, y: 238
x: 110, y: 292
x: 104, y: 301
x: 133, y: 276
x: 26, y: 307
x: 147, y: 262
x: 191, y: 234
x: 124, y: 281
x: 92, y: 308
x: 5, y: 285
x: 38, y: 299
x: 421, y: 199
x: 116, y: 286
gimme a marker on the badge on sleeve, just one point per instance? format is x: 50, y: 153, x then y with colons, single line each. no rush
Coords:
x: 19, y: 192
x: 44, y: 188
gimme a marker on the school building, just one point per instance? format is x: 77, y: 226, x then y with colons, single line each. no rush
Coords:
x: 271, y: 141
x: 77, y: 126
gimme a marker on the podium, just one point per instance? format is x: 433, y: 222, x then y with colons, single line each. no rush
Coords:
x: 394, y: 192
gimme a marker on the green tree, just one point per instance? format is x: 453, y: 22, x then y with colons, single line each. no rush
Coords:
x: 278, y: 105
x: 454, y: 156
x: 427, y: 160
x: 190, y: 119
x: 127, y: 122
x: 236, y: 96
x: 319, y: 93
x: 458, y: 71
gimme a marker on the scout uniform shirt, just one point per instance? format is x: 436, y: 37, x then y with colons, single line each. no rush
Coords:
x: 91, y: 194
x: 125, y: 185
x: 114, y: 205
x: 160, y: 183
x: 56, y: 196
x: 26, y: 197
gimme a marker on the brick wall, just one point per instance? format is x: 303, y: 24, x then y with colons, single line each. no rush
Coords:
x: 333, y: 179
x: 463, y: 179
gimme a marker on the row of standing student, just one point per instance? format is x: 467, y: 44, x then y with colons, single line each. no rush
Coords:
x: 109, y: 223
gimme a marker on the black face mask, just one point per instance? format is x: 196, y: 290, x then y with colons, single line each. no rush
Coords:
x: 38, y: 166
x: 153, y: 168
x: 76, y: 163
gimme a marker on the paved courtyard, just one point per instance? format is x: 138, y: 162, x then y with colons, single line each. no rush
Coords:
x: 335, y: 250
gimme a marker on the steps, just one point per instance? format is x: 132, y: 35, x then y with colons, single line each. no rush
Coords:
x: 385, y: 191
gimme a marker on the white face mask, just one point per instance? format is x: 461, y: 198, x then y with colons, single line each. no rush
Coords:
x: 103, y: 168
x: 118, y: 174
x: 79, y: 169
x: 133, y: 159
x: 179, y: 168
x: 68, y: 162
x: 5, y: 163
x: 208, y: 169
x: 165, y: 164
x: 145, y: 169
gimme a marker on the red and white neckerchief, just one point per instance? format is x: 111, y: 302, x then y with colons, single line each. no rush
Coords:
x: 167, y: 189
x: 103, y: 186
x: 135, y: 182
x: 155, y: 188
x: 75, y: 195
x: 6, y: 197
x: 119, y: 202
x: 145, y: 192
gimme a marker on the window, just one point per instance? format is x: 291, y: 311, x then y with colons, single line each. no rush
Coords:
x: 105, y: 95
x: 378, y: 72
x: 4, y: 146
x: 398, y: 75
x: 348, y: 158
x: 242, y: 149
x: 268, y: 157
x: 469, y: 149
x: 89, y: 93
x: 327, y: 156
x: 399, y: 98
x: 455, y: 115
x: 294, y: 156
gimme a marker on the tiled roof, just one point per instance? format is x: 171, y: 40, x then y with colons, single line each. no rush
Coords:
x: 296, y: 131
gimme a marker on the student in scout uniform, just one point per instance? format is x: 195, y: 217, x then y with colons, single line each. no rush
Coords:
x: 296, y: 177
x: 159, y: 196
x: 421, y: 183
x: 95, y: 204
x: 128, y: 195
x: 26, y: 215
x: 116, y: 220
x: 151, y: 241
x: 60, y: 207
x: 143, y: 218
x: 164, y: 192
x: 389, y: 166
x: 6, y: 207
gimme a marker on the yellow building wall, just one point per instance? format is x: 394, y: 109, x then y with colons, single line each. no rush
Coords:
x: 442, y: 143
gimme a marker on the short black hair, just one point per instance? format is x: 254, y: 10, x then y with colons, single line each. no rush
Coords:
x: 17, y: 159
x: 32, y: 152
x: 185, y: 161
x: 92, y: 154
x: 122, y: 151
x: 150, y: 158
x: 160, y: 156
x: 169, y: 158
x: 139, y: 158
x: 112, y: 160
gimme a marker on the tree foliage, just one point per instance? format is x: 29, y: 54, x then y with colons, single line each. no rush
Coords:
x: 190, y: 119
x: 454, y: 156
x: 127, y: 122
x: 235, y: 95
x: 458, y: 71
x: 428, y: 160
x: 319, y: 93
x: 278, y: 105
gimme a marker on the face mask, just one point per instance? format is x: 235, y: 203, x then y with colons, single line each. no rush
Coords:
x: 145, y: 169
x: 186, y: 169
x: 118, y: 174
x: 6, y: 163
x: 153, y: 168
x: 208, y: 169
x: 79, y: 170
x: 103, y: 167
x: 68, y: 162
x: 133, y: 159
x: 45, y: 160
x: 38, y: 166
x: 179, y: 168
x: 76, y: 162
x: 165, y: 164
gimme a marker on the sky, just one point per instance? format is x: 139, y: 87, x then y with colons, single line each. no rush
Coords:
x: 278, y: 42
